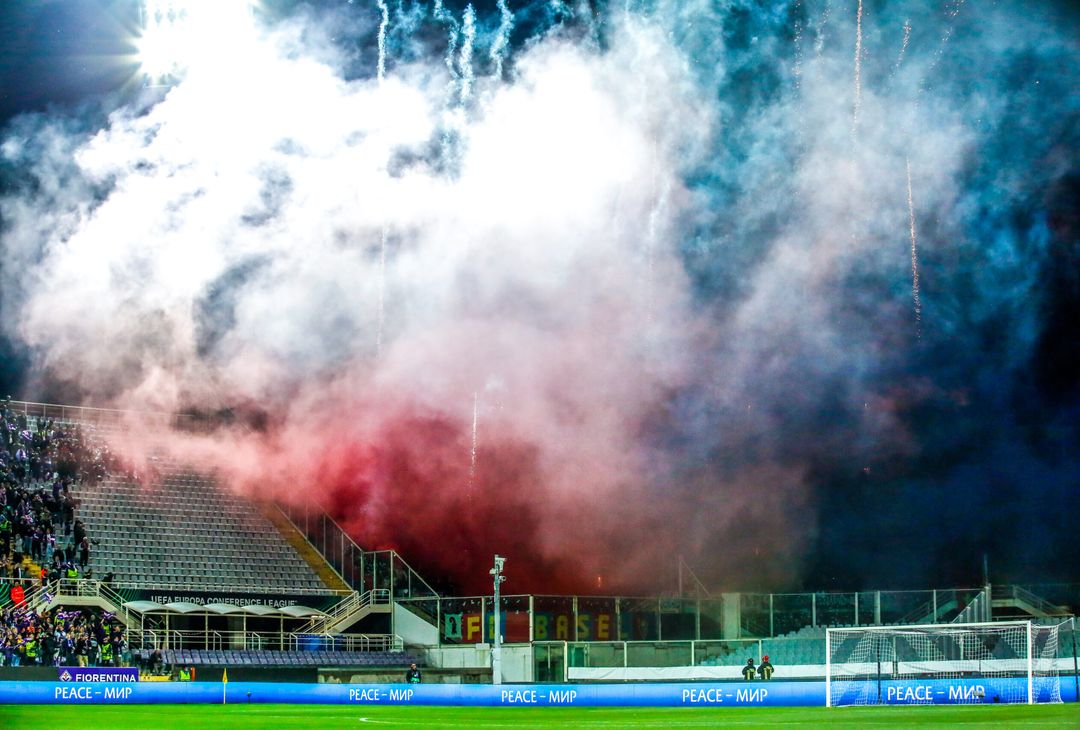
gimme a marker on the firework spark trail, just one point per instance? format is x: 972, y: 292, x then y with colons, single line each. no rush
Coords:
x: 465, y: 58
x: 383, y: 23
x: 380, y: 74
x: 446, y: 18
x: 823, y: 19
x: 952, y: 9
x: 502, y: 38
x: 914, y: 255
x: 797, y: 70
x: 382, y: 294
x: 903, y: 45
x: 475, y: 440
x: 558, y: 11
x: 858, y: 72
x: 452, y: 29
x: 657, y: 214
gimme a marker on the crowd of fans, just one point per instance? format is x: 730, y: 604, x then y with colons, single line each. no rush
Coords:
x: 40, y: 536
x: 41, y: 539
x: 83, y: 638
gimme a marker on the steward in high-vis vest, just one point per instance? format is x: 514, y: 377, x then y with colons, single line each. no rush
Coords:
x: 749, y: 670
x: 30, y: 649
x: 106, y: 654
x: 765, y: 669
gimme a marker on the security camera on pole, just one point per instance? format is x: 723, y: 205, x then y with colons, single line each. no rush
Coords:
x: 496, y: 646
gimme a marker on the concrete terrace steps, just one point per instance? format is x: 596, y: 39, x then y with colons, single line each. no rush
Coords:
x: 186, y: 531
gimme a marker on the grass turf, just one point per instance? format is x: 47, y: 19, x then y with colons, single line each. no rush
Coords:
x: 284, y: 717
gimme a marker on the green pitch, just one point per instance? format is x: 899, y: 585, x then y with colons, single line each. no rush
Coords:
x: 284, y: 717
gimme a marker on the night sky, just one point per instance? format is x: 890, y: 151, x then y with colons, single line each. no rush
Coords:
x: 898, y: 445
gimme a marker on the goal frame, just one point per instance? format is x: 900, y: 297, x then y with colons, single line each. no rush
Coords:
x: 1028, y: 626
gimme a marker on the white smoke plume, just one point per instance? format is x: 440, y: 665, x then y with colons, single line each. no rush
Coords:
x: 565, y: 313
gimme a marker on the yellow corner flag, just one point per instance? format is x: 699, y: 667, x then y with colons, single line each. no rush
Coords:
x: 224, y: 683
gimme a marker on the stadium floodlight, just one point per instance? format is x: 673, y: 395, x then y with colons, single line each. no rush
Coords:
x: 496, y: 645
x: 177, y: 34
x: 922, y: 664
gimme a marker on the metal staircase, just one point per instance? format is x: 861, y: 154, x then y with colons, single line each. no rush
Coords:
x: 931, y: 612
x: 380, y: 578
x: 350, y: 611
x: 1017, y: 602
x: 84, y: 593
x: 361, y: 569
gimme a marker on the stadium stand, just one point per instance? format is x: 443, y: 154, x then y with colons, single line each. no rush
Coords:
x: 181, y: 531
x: 171, y: 530
x: 185, y: 532
x: 804, y: 646
x: 151, y: 538
x: 39, y: 461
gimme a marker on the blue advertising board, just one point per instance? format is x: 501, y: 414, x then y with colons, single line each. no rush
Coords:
x: 718, y: 694
x: 987, y: 690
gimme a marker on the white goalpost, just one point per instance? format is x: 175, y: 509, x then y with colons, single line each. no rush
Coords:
x: 998, y: 662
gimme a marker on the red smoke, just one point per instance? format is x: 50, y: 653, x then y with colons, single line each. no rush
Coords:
x: 405, y: 481
x: 411, y: 488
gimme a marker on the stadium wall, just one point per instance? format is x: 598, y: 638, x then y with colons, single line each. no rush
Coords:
x: 754, y: 694
x: 517, y: 660
x: 413, y: 629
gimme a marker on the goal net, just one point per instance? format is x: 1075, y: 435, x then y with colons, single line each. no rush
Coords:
x: 1000, y: 662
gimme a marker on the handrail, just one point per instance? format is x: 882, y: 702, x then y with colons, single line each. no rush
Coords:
x: 354, y: 604
x: 976, y: 610
x: 89, y: 588
x: 287, y: 511
x: 204, y: 588
x: 33, y: 592
x: 919, y: 614
x: 1036, y: 601
x: 250, y: 640
x: 43, y: 409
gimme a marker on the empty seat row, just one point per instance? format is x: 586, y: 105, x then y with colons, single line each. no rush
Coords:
x: 296, y: 658
x: 186, y: 531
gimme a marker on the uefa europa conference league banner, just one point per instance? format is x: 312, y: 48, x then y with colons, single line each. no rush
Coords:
x: 232, y: 598
x: 728, y: 694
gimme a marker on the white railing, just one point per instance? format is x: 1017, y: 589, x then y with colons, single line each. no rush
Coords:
x: 378, y: 597
x: 84, y: 588
x: 978, y: 610
x: 250, y: 641
x: 32, y: 590
x: 316, y: 526
x: 89, y: 414
x: 341, y: 610
x: 203, y: 587
x: 351, y: 606
x: 1016, y: 593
